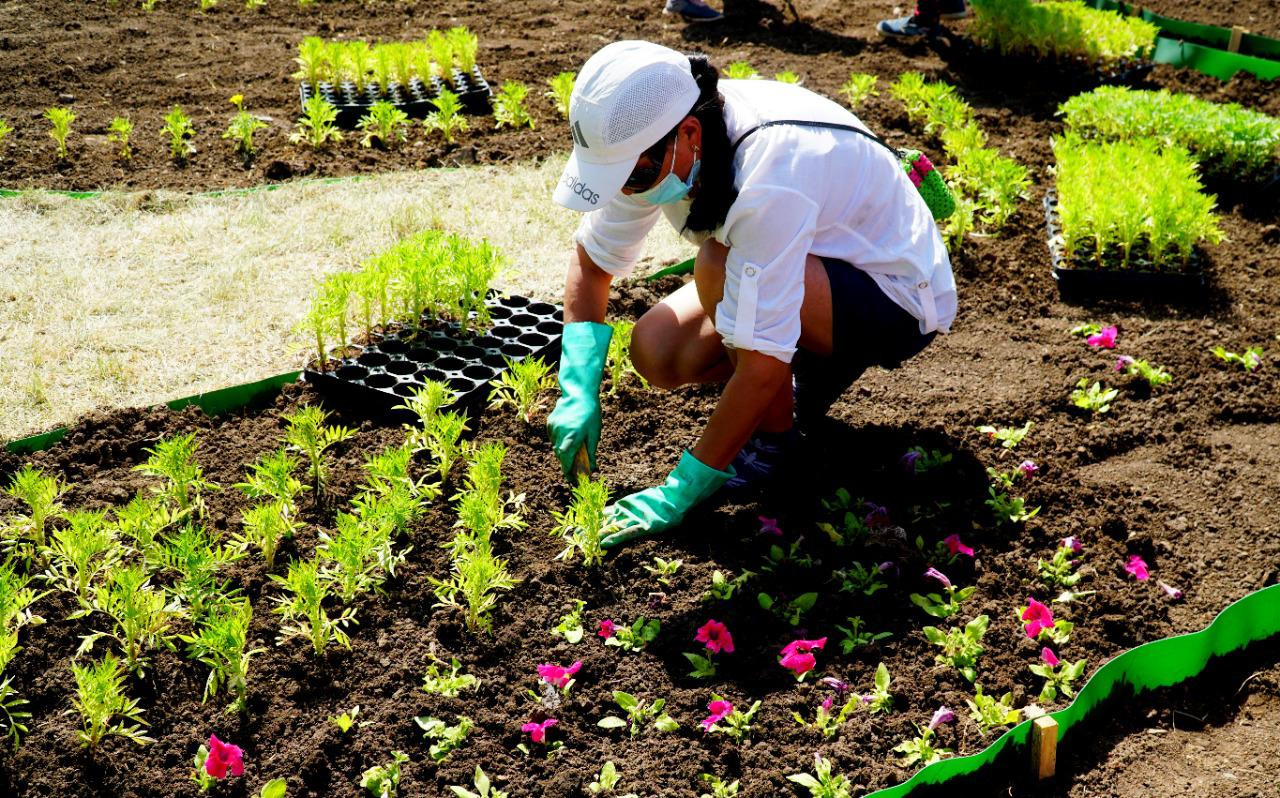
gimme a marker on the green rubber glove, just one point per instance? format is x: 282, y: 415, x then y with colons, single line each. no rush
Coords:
x: 658, y: 509
x: 575, y: 421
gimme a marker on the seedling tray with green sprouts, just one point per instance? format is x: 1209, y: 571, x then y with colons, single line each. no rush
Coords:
x: 389, y: 368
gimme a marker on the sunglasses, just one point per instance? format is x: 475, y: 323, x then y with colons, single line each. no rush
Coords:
x: 642, y: 177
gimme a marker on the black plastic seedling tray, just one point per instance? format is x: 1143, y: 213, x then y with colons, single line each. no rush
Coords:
x: 416, y: 99
x: 1078, y: 285
x: 389, y: 369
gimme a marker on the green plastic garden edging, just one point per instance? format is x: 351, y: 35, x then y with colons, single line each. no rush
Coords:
x: 223, y: 400
x: 1160, y: 663
x: 1203, y: 47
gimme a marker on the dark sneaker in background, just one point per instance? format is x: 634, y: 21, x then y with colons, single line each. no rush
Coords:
x: 905, y: 28
x: 953, y: 9
x: 692, y: 11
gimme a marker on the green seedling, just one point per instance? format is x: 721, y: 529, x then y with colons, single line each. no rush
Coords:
x: 447, y: 680
x: 788, y: 77
x: 9, y: 647
x: 919, y: 460
x: 722, y: 587
x: 276, y: 788
x: 447, y: 118
x: 824, y: 782
x: 347, y: 720
x: 41, y: 494
x: 618, y: 360
x: 5, y: 130
x: 962, y: 222
x: 60, y: 119
x: 791, y: 610
x: 860, y: 579
x: 442, y: 438
x: 302, y: 610
x: 1250, y: 360
x: 1062, y: 29
x: 316, y: 127
x: 607, y: 780
x: 143, y: 520
x: 140, y: 615
x: 880, y: 699
x: 14, y: 720
x: 508, y: 105
x: 178, y: 127
x: 923, y: 750
x: 855, y: 638
x: 383, y: 781
x: 703, y: 667
x: 264, y: 526
x: 243, y: 126
x: 562, y: 91
x: 719, y: 787
x: 1134, y: 367
x: 446, y: 739
x: 384, y: 123
x: 1058, y: 680
x: 827, y: 721
x: 192, y: 557
x: 636, y: 636
x: 16, y: 598
x: 441, y: 48
x: 79, y: 553
x: 118, y: 132
x: 640, y: 715
x: 735, y: 724
x: 935, y: 605
x: 312, y: 61
x: 740, y: 70
x: 307, y: 433
x: 582, y: 525
x: 272, y: 477
x: 571, y: 627
x: 358, y: 557
x: 1092, y: 397
x: 858, y: 88
x: 465, y: 45
x: 473, y: 587
x: 1059, y: 572
x: 219, y: 642
x: 990, y: 713
x: 520, y: 385
x: 663, y: 570
x: 388, y: 475
x: 961, y: 648
x: 1009, y: 509
x: 1008, y: 437
x: 174, y: 460
x: 104, y: 709
x: 484, y: 788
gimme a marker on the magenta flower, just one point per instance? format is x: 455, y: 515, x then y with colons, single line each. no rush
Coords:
x: 877, y: 515
x: 934, y: 573
x: 835, y: 684
x: 607, y: 628
x: 796, y: 656
x: 1123, y: 362
x: 1169, y: 590
x: 538, y: 731
x: 1028, y: 468
x: 943, y: 715
x: 1038, y: 617
x: 956, y: 546
x: 716, y: 636
x: 1049, y: 657
x: 557, y: 675
x: 1106, y: 339
x: 1138, y: 567
x: 223, y: 756
x: 1072, y: 543
x: 718, y: 709
x: 827, y: 703
x: 908, y: 461
x: 769, y: 526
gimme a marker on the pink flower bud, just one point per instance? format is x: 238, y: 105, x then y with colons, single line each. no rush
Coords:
x: 956, y: 546
x: 1049, y: 657
x: 1138, y: 568
x: 1170, y: 591
x: 943, y: 715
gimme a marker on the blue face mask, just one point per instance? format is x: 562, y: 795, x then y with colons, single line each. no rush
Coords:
x: 671, y: 188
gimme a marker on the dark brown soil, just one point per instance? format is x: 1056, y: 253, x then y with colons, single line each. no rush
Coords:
x: 1187, y: 476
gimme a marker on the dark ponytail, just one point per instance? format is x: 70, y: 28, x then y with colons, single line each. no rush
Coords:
x: 715, y: 180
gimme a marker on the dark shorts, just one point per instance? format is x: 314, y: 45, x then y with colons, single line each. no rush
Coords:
x: 868, y: 329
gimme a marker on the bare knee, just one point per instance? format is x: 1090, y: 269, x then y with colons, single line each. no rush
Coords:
x: 650, y: 353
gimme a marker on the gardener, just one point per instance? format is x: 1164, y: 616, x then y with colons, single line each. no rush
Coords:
x: 817, y: 259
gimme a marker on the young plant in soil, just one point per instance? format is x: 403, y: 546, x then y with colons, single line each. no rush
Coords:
x: 465, y: 45
x: 16, y: 598
x: 316, y: 126
x: 508, y: 105
x: 272, y: 477
x: 960, y: 647
x: 1250, y: 360
x: 1009, y: 509
x: 630, y: 638
x: 14, y: 719
x: 40, y: 493
x: 1008, y: 437
x: 824, y: 782
x: 347, y: 720
x: 445, y: 738
x: 243, y: 126
x: 1092, y: 397
x: 562, y: 91
x: 143, y: 520
x: 384, y: 123
x: 827, y: 721
x: 1060, y: 29
x: 722, y: 587
x: 719, y: 787
x: 1058, y: 676
x: 302, y: 610
x: 923, y: 750
x: 473, y: 587
x: 991, y: 713
x: 662, y: 570
x: 788, y: 77
x: 880, y: 699
x: 740, y: 70
x: 858, y: 88
x: 728, y: 720
x: 582, y: 525
x: 81, y: 551
x: 174, y: 460
x: 484, y: 788
x: 388, y: 474
x: 860, y: 579
x: 104, y: 709
x: 60, y: 120
x: 571, y: 626
x: 218, y: 641
x: 788, y: 610
x: 5, y: 130
x: 359, y: 557
x: 442, y: 52
x: 192, y: 558
x: 140, y: 616
x: 179, y: 129
x: 383, y: 781
x: 307, y: 433
x: 618, y: 359
x: 640, y: 715
x: 447, y: 680
x: 855, y: 638
x: 519, y: 386
x: 118, y: 132
x: 1059, y: 572
x: 1155, y: 376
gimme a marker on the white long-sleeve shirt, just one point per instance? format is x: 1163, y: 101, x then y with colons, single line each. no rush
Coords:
x: 801, y: 191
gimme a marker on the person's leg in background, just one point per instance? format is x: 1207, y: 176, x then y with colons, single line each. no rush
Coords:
x: 926, y: 21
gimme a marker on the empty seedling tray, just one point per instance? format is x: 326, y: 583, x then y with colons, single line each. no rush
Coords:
x: 390, y: 368
x: 1076, y: 284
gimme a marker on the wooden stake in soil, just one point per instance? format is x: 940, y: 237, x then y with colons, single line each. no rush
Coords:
x: 1044, y: 747
x: 1237, y: 32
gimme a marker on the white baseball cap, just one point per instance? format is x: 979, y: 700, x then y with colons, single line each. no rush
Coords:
x: 626, y: 98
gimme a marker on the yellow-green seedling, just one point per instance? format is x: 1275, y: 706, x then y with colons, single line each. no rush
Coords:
x: 937, y: 606
x: 740, y: 70
x: 789, y: 610
x: 1136, y: 367
x: 16, y: 598
x: 140, y: 615
x: 174, y: 460
x: 1059, y: 677
x: 5, y: 130
x: 219, y: 641
x: 383, y: 781
x: 858, y: 88
x: 473, y: 587
x: 880, y: 699
x: 1007, y: 508
x: 192, y: 558
x: 271, y: 476
x: 1007, y: 437
x: 562, y: 91
x: 826, y: 718
x: 662, y: 570
x: 384, y: 123
x: 961, y: 648
x: 180, y: 130
x: 308, y: 433
x: 924, y: 750
x: 445, y: 738
x: 447, y: 679
x: 143, y: 520
x: 788, y: 77
x: 60, y: 120
x: 722, y: 587
x: 719, y: 787
x: 41, y: 494
x: 1060, y: 29
x: 618, y: 360
x: 302, y: 609
x: 388, y: 473
x: 447, y: 118
x: 441, y: 48
x: 13, y: 717
x: 347, y: 720
x: 582, y: 524
x: 465, y: 45
x: 118, y: 132
x: 991, y: 713
x: 640, y: 715
x: 316, y: 127
x: 632, y: 638
x: 606, y: 781
x: 1250, y: 360
x: 571, y: 626
x: 484, y: 787
x: 1093, y: 397
x: 312, y: 61
x: 104, y: 709
x: 824, y: 782
x: 78, y: 553
x: 243, y: 126
x: 359, y: 62
x: 359, y: 556
x: 264, y: 526
x: 508, y: 105
x: 520, y: 385
x: 856, y: 637
x: 482, y: 508
x: 254, y: 5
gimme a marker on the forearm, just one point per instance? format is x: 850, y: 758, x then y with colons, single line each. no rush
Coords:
x: 586, y: 289
x: 746, y: 400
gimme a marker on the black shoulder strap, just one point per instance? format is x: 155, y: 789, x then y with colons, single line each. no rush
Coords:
x: 806, y: 123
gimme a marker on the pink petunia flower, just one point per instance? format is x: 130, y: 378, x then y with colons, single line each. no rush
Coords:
x: 934, y: 573
x: 769, y: 526
x: 1028, y: 468
x: 943, y: 715
x: 827, y: 703
x: 223, y: 756
x: 1049, y: 657
x: 716, y: 636
x: 1138, y: 567
x: 796, y: 656
x: 557, y: 675
x: 1169, y: 590
x: 1106, y: 339
x: 956, y: 546
x: 538, y: 731
x: 1038, y: 617
x: 1072, y: 543
x: 835, y: 684
x: 1123, y: 362
x: 607, y: 629
x: 719, y: 710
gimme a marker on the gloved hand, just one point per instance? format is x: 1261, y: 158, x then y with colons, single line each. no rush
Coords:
x: 658, y: 509
x: 575, y: 421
